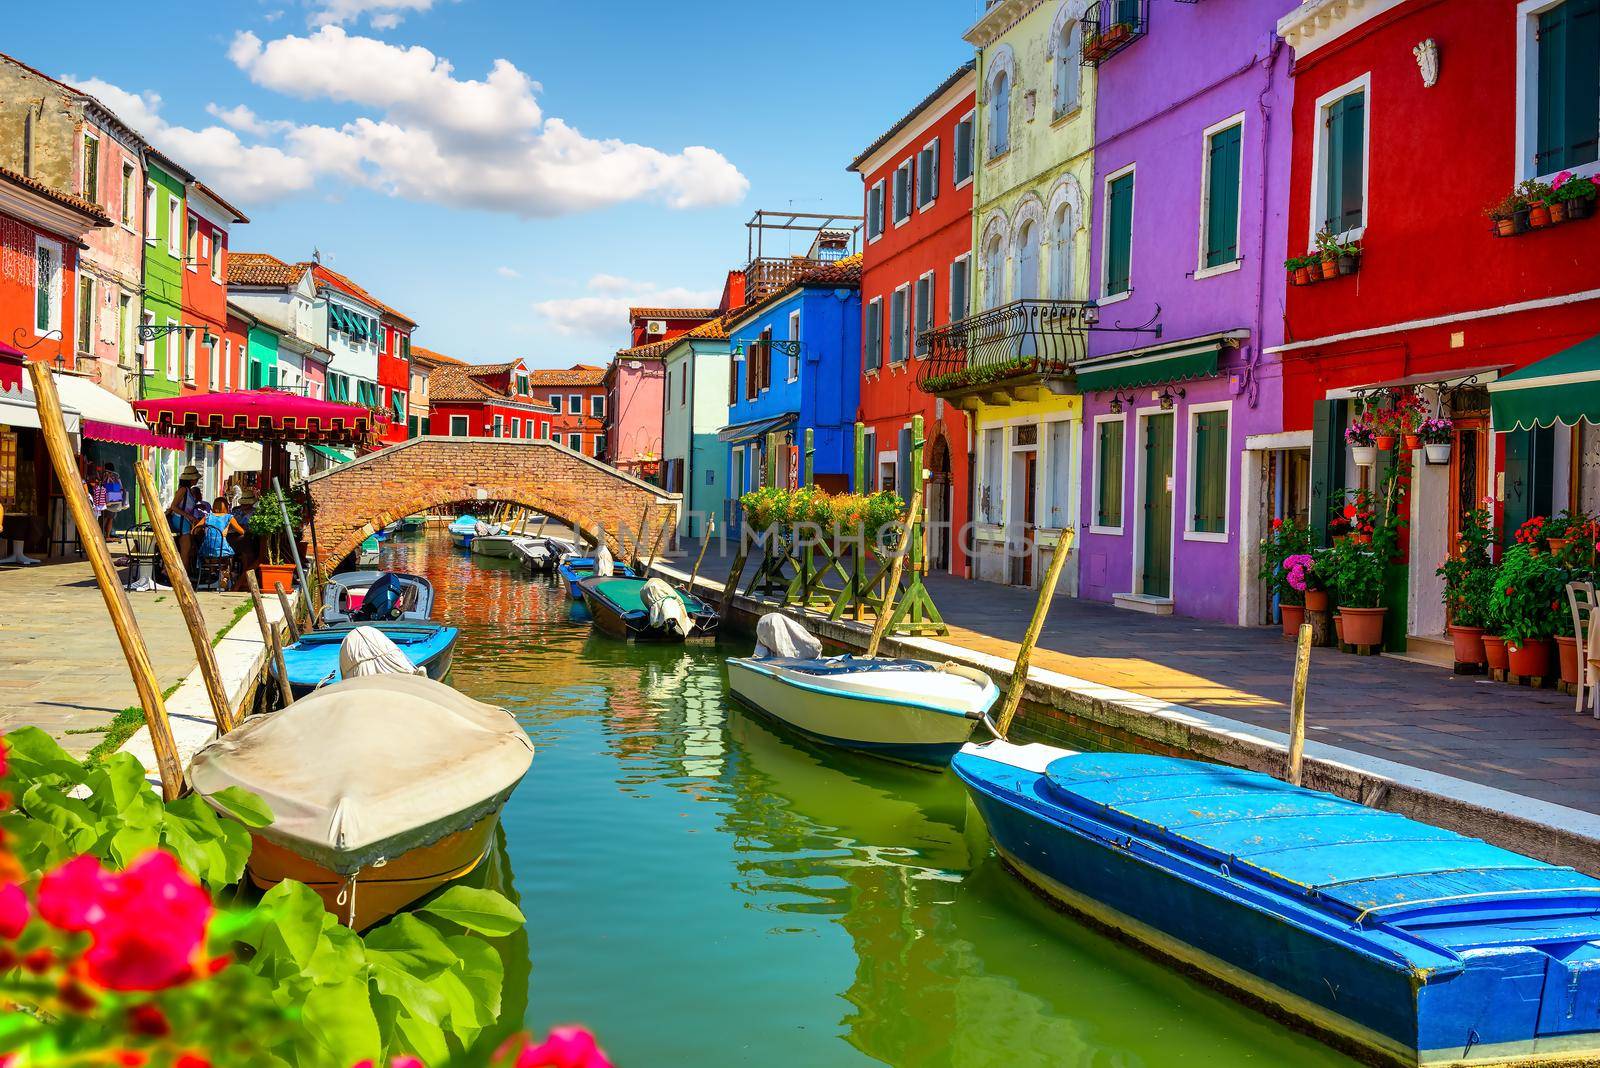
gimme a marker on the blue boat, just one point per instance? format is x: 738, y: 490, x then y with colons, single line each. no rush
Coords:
x: 1387, y: 937
x: 314, y: 659
x: 463, y: 529
x: 574, y: 569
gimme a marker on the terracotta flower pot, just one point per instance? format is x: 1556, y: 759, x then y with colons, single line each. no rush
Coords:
x: 1505, y: 227
x: 1330, y: 267
x: 275, y: 575
x: 1558, y: 212
x: 1385, y: 442
x: 1567, y: 655
x: 1293, y: 615
x: 1301, y: 276
x: 1411, y: 442
x: 1558, y: 544
x: 1468, y: 642
x: 1538, y: 216
x: 1338, y: 628
x: 1361, y: 539
x: 1532, y: 657
x: 1363, y: 626
x: 1316, y: 600
x: 1494, y: 652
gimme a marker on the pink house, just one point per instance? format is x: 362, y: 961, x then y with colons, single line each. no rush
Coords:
x: 635, y: 388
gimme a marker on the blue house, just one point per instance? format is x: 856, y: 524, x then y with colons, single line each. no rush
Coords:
x: 796, y: 366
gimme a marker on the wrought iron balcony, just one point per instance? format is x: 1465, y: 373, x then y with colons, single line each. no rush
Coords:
x: 1023, y: 345
x: 1109, y: 26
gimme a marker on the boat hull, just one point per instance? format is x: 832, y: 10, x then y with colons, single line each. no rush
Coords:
x: 902, y: 731
x: 379, y: 891
x: 309, y: 666
x: 1321, y: 977
x: 635, y: 626
x: 493, y: 545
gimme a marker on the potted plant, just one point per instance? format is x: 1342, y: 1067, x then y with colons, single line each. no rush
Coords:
x: 1531, y: 534
x: 1469, y: 578
x: 1304, y: 574
x: 1299, y: 268
x: 1287, y: 541
x: 1561, y: 529
x: 1509, y: 214
x: 1362, y: 440
x: 1575, y: 193
x: 1356, y: 520
x: 1357, y: 579
x: 1527, y: 596
x: 1538, y: 195
x: 267, y: 524
x: 1436, y: 433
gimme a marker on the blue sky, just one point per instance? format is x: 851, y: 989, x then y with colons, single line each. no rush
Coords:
x: 510, y: 172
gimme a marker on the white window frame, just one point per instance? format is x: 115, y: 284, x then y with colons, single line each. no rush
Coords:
x: 191, y: 355
x: 56, y: 283
x: 1190, y: 419
x: 881, y: 186
x: 192, y: 251
x: 216, y: 261
x: 931, y: 146
x: 1528, y: 12
x: 167, y: 346
x: 460, y: 426
x: 174, y: 226
x: 1105, y: 233
x: 908, y: 167
x: 81, y: 344
x: 127, y: 336
x: 227, y: 360
x: 597, y: 406
x: 1094, y: 477
x: 575, y: 442
x: 956, y: 314
x: 128, y: 201
x: 555, y: 402
x: 575, y: 404
x: 971, y: 119
x: 213, y: 368
x: 794, y: 356
x: 1200, y: 268
x: 146, y: 349
x: 1319, y: 159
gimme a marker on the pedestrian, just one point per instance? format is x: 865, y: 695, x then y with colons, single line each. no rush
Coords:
x: 116, y: 499
x: 212, y: 531
x: 95, y: 483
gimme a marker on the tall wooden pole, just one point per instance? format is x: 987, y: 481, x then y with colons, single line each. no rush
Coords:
x: 880, y: 626
x: 705, y: 543
x: 94, y: 545
x: 1019, y: 673
x: 289, y: 615
x: 733, y: 576
x: 269, y: 634
x: 189, y: 605
x: 642, y: 533
x: 1297, y: 703
x: 289, y: 533
x: 655, y: 547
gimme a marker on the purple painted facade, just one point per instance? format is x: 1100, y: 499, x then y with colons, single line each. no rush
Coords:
x: 1200, y: 68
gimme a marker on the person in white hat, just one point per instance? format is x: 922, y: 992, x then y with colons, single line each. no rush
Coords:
x: 188, y: 507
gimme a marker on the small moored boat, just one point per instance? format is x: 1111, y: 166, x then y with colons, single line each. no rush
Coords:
x: 463, y: 529
x: 495, y: 545
x: 314, y: 660
x: 411, y: 523
x: 366, y: 596
x: 646, y: 610
x: 539, y: 553
x: 370, y: 552
x: 905, y: 710
x: 382, y: 789
x: 1399, y: 941
x: 574, y: 569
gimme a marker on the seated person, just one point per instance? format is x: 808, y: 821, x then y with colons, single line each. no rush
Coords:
x: 213, y: 532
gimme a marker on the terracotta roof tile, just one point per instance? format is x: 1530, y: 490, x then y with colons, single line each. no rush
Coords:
x: 457, y: 382
x: 339, y: 281
x: 66, y: 200
x: 435, y: 358
x: 261, y: 269
x: 671, y: 313
x: 492, y: 368
x: 648, y: 351
x: 715, y: 328
x: 579, y: 374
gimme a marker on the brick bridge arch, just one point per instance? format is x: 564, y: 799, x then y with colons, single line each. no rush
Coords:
x: 356, y: 499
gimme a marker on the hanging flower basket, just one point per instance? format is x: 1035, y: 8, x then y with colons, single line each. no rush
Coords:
x: 1437, y: 454
x: 1364, y: 455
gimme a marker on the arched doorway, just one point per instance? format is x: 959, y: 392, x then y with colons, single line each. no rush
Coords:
x: 939, y: 504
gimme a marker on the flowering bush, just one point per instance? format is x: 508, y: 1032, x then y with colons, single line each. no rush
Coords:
x: 1531, y: 533
x: 838, y: 515
x: 1286, y: 538
x: 1360, y: 434
x: 1529, y: 595
x: 1398, y: 411
x: 1300, y: 572
x: 1469, y: 574
x: 1354, y: 572
x: 1436, y: 430
x: 1569, y: 186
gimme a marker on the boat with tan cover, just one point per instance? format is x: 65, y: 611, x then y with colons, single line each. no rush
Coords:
x: 382, y: 788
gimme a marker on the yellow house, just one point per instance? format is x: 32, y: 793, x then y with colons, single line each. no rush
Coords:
x: 1009, y: 363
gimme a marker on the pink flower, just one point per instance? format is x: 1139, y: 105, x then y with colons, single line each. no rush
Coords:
x: 1561, y: 179
x: 406, y: 1060
x: 567, y: 1047
x: 14, y: 911
x: 3, y: 764
x: 73, y: 896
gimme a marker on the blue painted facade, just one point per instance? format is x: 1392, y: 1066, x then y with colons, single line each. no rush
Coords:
x: 821, y: 394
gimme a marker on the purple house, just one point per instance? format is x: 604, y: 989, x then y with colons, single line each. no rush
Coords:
x: 1184, y: 462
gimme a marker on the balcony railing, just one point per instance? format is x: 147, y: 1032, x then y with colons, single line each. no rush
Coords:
x: 1109, y: 26
x: 766, y: 275
x: 1026, y: 338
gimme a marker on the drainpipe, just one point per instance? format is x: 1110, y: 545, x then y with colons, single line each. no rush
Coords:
x: 1251, y: 386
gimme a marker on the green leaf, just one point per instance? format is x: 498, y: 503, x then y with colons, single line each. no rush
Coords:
x: 481, y: 970
x: 339, y: 1017
x: 424, y: 1039
x: 484, y: 911
x: 126, y: 845
x: 295, y: 927
x: 392, y: 977
x: 412, y: 943
x: 34, y: 756
x: 243, y: 806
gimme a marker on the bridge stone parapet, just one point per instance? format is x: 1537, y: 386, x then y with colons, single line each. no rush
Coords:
x: 352, y: 501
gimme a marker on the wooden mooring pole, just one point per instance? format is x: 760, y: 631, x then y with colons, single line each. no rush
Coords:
x: 655, y: 549
x: 1297, y: 703
x: 705, y: 543
x: 289, y: 616
x: 193, y: 619
x: 269, y: 634
x: 105, y: 574
x: 1019, y: 673
x: 897, y: 566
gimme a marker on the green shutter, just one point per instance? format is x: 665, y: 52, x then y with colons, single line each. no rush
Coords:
x: 1346, y: 123
x: 1128, y: 12
x: 1119, y: 234
x: 1210, y: 505
x: 1529, y: 477
x: 1222, y: 198
x: 1108, y: 503
x: 1327, y: 461
x: 1569, y: 86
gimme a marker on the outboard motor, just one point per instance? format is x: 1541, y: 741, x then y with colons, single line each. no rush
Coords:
x: 382, y: 601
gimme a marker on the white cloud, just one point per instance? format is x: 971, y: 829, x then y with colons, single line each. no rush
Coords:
x: 247, y: 174
x: 385, y: 14
x: 246, y: 121
x: 604, y: 313
x: 508, y: 272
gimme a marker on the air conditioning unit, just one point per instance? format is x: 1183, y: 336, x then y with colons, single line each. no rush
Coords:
x: 655, y: 327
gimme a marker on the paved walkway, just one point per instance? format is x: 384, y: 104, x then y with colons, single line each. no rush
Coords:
x: 61, y: 667
x: 1510, y: 737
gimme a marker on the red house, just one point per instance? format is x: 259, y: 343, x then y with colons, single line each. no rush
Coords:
x: 1411, y: 119
x: 577, y: 399
x: 207, y: 353
x: 915, y: 276
x: 493, y: 400
x: 647, y: 325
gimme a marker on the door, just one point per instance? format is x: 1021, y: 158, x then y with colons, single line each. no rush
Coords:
x: 1155, y: 566
x: 1026, y: 470
x: 1469, y: 469
x: 1529, y: 477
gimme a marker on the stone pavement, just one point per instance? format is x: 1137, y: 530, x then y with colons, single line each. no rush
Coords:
x: 61, y: 667
x: 1528, y: 742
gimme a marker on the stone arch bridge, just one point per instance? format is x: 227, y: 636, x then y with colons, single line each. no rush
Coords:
x: 356, y: 499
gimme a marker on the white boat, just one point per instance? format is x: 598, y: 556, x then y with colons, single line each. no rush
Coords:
x: 905, y: 710
x: 498, y: 545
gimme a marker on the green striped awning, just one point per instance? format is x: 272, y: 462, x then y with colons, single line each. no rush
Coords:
x: 336, y: 455
x: 1563, y: 388
x: 1196, y: 358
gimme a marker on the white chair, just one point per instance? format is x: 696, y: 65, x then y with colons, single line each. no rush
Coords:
x: 1581, y: 600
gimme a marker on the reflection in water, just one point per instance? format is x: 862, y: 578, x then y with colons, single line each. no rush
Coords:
x: 703, y: 889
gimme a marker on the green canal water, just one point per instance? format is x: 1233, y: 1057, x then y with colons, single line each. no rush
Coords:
x: 702, y: 889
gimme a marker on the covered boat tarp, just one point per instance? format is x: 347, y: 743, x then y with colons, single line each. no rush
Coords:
x: 368, y: 651
x: 778, y: 635
x: 370, y: 768
x: 665, y: 607
x: 604, y: 567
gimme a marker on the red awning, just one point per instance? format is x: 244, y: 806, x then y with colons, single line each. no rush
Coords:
x: 261, y: 414
x: 128, y: 435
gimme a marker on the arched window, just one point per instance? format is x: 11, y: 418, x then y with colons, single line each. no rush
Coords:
x: 1027, y: 287
x: 1000, y: 115
x: 993, y: 273
x: 1061, y: 254
x: 1067, y: 68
